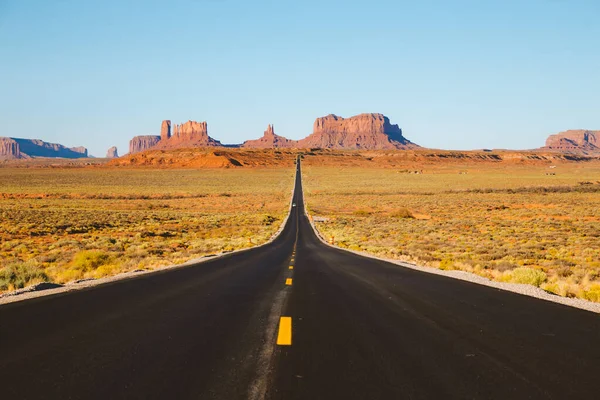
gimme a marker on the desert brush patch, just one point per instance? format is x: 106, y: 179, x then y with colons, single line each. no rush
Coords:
x: 62, y: 225
x: 506, y: 222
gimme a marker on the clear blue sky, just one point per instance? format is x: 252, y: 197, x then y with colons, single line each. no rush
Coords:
x: 453, y: 74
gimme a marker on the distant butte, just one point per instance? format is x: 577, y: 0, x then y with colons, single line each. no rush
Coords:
x: 270, y: 140
x: 112, y: 153
x: 143, y: 143
x: 579, y: 141
x: 189, y: 134
x: 186, y: 135
x: 364, y: 131
x: 16, y: 148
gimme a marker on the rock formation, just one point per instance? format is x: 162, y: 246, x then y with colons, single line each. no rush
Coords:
x: 24, y: 148
x: 270, y: 140
x: 112, y: 153
x: 142, y: 143
x: 165, y: 130
x: 189, y: 134
x: 574, y: 141
x: 81, y: 150
x: 364, y: 131
x: 9, y: 149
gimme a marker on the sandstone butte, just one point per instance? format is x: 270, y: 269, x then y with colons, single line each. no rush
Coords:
x: 143, y: 143
x: 575, y: 141
x: 112, y: 153
x: 16, y: 148
x: 364, y: 131
x: 188, y: 134
x: 270, y: 140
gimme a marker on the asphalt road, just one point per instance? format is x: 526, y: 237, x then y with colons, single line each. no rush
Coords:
x: 360, y: 329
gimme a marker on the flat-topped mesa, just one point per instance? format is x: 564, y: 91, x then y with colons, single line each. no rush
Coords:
x: 9, y: 149
x: 575, y: 141
x: 143, y: 143
x: 25, y: 148
x: 270, y: 140
x: 112, y: 153
x: 39, y: 148
x: 188, y: 134
x: 364, y: 131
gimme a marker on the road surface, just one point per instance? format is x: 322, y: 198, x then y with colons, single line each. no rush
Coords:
x: 359, y: 329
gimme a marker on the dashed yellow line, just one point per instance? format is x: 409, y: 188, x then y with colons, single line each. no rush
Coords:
x: 288, y: 281
x: 284, y: 337
x: 291, y: 267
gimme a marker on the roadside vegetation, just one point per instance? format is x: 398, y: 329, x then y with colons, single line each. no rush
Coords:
x: 531, y: 224
x: 61, y: 225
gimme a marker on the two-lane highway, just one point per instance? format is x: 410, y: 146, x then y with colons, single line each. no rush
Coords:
x: 352, y: 328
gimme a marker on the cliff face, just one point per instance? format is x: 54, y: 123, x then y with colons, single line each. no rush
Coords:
x: 39, y: 148
x: 142, y: 143
x: 9, y: 149
x: 364, y: 131
x: 270, y: 140
x: 112, y: 153
x: 575, y: 141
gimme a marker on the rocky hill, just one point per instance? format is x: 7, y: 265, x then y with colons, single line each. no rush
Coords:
x: 364, y: 131
x: 16, y: 148
x: 575, y: 141
x: 270, y: 140
x: 208, y: 158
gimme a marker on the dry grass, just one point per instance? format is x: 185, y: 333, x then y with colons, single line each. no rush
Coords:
x: 507, y: 222
x: 62, y: 225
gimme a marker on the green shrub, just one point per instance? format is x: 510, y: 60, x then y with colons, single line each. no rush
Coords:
x: 527, y: 276
x: 19, y: 275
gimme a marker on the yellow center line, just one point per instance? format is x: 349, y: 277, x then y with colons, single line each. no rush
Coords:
x: 284, y: 337
x: 291, y: 267
x: 288, y: 281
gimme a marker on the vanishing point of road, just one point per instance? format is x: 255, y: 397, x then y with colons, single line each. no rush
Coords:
x: 296, y: 319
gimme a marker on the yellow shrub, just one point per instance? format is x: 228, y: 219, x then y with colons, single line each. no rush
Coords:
x: 527, y: 276
x: 593, y: 293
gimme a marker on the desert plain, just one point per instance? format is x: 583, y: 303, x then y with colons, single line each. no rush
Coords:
x: 527, y: 218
